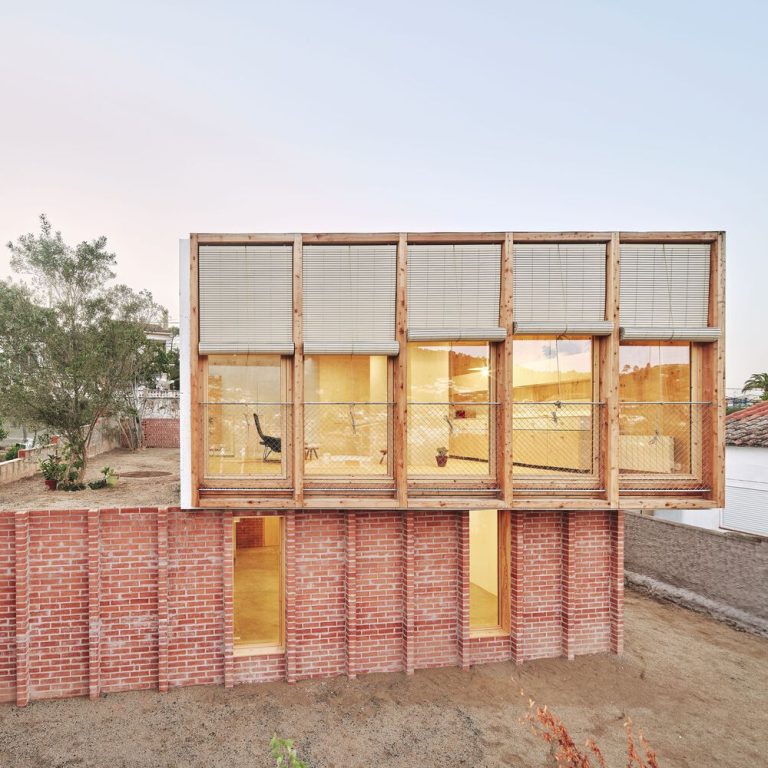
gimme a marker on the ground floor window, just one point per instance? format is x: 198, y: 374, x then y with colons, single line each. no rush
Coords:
x: 484, y: 574
x: 258, y: 587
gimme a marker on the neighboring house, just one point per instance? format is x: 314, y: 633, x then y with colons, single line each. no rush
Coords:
x: 420, y: 446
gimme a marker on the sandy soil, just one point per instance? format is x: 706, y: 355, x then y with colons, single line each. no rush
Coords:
x: 31, y: 493
x: 697, y: 688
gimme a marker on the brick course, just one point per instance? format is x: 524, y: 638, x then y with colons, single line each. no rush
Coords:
x: 160, y: 433
x: 95, y: 601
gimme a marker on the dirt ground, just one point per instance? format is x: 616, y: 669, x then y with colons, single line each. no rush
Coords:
x: 31, y: 493
x: 697, y: 689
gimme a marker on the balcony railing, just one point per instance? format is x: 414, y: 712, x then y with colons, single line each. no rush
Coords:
x: 660, y: 445
x: 451, y: 440
x: 347, y: 439
x: 556, y: 441
x: 246, y: 439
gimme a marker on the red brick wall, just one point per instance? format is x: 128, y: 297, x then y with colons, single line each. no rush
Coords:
x: 112, y: 600
x: 249, y: 532
x: 160, y: 433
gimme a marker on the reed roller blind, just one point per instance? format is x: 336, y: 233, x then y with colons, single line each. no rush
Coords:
x: 453, y: 292
x: 349, y: 300
x: 665, y: 292
x: 560, y: 289
x: 246, y: 299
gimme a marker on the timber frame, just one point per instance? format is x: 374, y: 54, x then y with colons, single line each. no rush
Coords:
x: 400, y: 493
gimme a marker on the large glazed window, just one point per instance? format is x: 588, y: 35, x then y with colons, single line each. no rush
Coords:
x: 346, y: 416
x: 658, y: 422
x: 258, y: 592
x: 246, y: 416
x: 450, y: 409
x: 553, y: 410
x: 484, y: 582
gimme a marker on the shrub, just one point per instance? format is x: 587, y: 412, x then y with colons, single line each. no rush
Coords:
x: 285, y: 753
x: 12, y: 452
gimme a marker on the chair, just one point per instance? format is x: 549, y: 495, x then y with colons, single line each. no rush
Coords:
x: 271, y: 443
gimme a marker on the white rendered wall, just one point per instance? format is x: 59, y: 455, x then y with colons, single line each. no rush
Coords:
x: 185, y: 379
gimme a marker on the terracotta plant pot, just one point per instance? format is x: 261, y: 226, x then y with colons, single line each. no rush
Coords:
x: 441, y: 460
x: 51, y: 484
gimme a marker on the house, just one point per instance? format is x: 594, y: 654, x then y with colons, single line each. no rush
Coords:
x: 421, y: 446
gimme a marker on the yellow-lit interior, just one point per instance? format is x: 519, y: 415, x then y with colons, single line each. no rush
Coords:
x: 656, y: 417
x: 346, y: 415
x: 239, y: 386
x: 449, y: 391
x: 553, y: 415
x: 483, y: 569
x: 257, y: 581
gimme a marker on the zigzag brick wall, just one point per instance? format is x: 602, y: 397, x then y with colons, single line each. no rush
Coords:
x: 95, y: 601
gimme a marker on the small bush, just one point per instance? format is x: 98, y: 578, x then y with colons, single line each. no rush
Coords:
x: 285, y: 753
x: 12, y: 452
x: 96, y: 484
x: 70, y: 486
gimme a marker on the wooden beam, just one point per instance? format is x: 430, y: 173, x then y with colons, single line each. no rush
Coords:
x: 196, y: 374
x: 668, y: 237
x: 298, y: 371
x: 561, y: 237
x: 608, y: 373
x: 351, y: 238
x: 504, y: 374
x: 400, y: 394
x: 630, y: 503
x: 426, y: 238
x: 260, y: 238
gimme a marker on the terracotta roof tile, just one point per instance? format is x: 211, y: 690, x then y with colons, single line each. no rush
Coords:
x: 748, y: 427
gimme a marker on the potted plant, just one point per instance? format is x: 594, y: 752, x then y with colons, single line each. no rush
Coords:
x: 53, y: 471
x: 442, y: 457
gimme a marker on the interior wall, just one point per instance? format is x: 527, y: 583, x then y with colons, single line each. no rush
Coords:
x: 484, y: 549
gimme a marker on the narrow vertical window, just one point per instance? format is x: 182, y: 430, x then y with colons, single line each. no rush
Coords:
x: 258, y: 600
x: 484, y: 581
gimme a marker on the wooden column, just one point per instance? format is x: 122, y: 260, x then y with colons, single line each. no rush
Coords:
x: 504, y: 375
x: 162, y: 599
x: 608, y: 383
x: 400, y: 417
x: 196, y: 373
x: 228, y: 568
x: 94, y: 606
x: 298, y: 372
x: 351, y: 594
x: 21, y: 544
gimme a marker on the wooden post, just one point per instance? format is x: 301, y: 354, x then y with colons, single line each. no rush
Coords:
x: 196, y: 373
x: 714, y: 383
x: 400, y: 426
x: 504, y: 374
x: 608, y: 384
x: 298, y: 372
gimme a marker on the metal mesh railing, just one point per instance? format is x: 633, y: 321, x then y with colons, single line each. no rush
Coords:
x: 351, y: 439
x: 556, y: 440
x: 450, y: 439
x: 246, y: 439
x: 660, y: 444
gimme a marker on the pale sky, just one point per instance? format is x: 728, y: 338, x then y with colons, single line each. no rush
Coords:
x: 145, y: 121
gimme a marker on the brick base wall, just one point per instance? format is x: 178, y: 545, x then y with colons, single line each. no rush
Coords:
x: 107, y: 600
x: 160, y: 433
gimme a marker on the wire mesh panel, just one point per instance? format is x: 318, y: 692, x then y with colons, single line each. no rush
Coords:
x: 661, y: 443
x: 246, y: 439
x: 450, y: 439
x: 351, y: 439
x: 555, y: 440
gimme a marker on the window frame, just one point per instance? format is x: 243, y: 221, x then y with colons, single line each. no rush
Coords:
x: 503, y: 628
x: 282, y: 481
x: 490, y: 482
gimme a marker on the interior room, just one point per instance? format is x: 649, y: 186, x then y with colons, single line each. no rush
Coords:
x: 483, y: 569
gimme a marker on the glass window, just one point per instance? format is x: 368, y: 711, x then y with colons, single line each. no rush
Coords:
x: 346, y: 415
x: 258, y: 553
x: 449, y: 408
x: 553, y: 419
x: 484, y: 569
x: 246, y: 416
x: 656, y: 417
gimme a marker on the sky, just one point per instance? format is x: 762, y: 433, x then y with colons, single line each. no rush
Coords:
x: 145, y: 121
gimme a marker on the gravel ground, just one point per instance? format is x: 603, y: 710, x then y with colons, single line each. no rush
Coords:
x: 697, y: 689
x: 31, y: 493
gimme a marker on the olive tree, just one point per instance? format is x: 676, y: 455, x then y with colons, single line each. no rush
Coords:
x: 72, y: 342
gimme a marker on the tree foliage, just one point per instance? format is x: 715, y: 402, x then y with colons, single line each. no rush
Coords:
x: 757, y: 381
x: 72, y: 342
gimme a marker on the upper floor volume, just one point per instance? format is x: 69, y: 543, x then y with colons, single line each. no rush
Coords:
x: 419, y: 370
